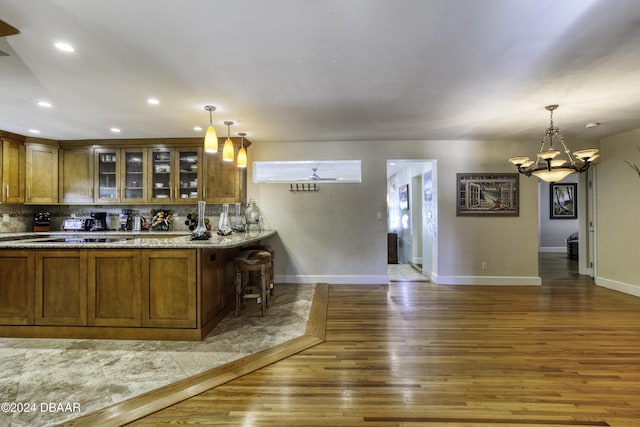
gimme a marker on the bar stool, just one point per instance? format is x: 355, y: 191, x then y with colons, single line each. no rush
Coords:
x: 246, y: 263
x: 271, y: 284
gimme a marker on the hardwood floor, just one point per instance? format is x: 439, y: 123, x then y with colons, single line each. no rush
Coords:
x: 415, y: 354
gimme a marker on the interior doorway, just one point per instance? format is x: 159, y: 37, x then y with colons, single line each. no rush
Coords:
x: 566, y: 247
x: 411, y: 219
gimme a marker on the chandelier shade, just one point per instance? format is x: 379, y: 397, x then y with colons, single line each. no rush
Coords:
x: 227, y: 149
x: 211, y: 137
x: 551, y: 165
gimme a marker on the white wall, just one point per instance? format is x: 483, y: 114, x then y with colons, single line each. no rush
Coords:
x: 338, y: 235
x: 618, y: 214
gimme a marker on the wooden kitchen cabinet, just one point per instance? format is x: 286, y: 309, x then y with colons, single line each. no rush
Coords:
x: 13, y: 171
x: 120, y: 175
x: 41, y: 174
x: 174, y: 175
x: 16, y: 287
x: 224, y: 182
x: 114, y: 291
x: 61, y: 287
x: 169, y: 288
x: 76, y: 175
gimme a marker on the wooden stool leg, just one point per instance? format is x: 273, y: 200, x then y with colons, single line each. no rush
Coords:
x: 238, y: 289
x: 263, y: 287
x: 272, y: 285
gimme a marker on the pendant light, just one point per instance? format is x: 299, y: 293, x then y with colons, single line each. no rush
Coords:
x: 242, y: 153
x: 227, y: 150
x: 211, y: 137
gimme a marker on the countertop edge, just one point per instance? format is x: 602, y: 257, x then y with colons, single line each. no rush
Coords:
x: 134, y: 240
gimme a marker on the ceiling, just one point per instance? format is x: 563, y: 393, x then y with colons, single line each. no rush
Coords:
x: 331, y: 70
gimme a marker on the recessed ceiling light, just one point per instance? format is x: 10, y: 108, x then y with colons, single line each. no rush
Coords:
x: 44, y: 104
x: 115, y: 130
x: 197, y: 128
x: 34, y: 131
x: 153, y: 101
x: 592, y: 125
x: 65, y: 47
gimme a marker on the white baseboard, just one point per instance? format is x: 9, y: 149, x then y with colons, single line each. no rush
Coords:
x: 560, y: 249
x: 487, y: 280
x: 334, y: 279
x: 626, y: 288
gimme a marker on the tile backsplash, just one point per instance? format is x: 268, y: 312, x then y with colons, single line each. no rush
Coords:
x: 20, y: 217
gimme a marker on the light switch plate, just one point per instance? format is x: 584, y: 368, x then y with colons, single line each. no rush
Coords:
x: 5, y: 217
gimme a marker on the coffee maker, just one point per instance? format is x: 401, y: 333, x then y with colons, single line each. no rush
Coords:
x: 99, y: 222
x: 126, y: 220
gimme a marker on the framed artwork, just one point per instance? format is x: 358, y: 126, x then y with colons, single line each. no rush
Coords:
x: 563, y: 201
x: 487, y: 194
x: 404, y: 196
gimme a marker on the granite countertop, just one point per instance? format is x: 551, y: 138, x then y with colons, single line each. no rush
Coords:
x: 126, y: 239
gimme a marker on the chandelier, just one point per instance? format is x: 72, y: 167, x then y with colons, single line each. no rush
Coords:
x: 552, y: 165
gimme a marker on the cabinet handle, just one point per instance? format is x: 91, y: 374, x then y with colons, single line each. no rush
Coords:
x: 7, y: 191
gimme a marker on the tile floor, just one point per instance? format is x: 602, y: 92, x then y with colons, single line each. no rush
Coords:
x: 93, y: 374
x: 404, y: 273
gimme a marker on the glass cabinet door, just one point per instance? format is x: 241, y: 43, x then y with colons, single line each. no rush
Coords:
x: 134, y: 173
x: 161, y: 184
x: 188, y: 174
x: 107, y: 175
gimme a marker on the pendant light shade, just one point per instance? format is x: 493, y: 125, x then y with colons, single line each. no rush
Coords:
x: 211, y: 137
x: 241, y: 162
x: 227, y: 150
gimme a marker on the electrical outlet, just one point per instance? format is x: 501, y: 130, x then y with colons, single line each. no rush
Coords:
x: 485, y: 265
x: 5, y: 217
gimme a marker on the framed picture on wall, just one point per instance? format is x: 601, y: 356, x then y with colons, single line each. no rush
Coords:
x: 564, y: 201
x: 487, y: 194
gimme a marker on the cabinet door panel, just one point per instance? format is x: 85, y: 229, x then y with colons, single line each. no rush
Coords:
x: 61, y: 288
x: 224, y: 181
x: 42, y: 174
x: 169, y: 288
x: 114, y: 288
x: 76, y: 175
x: 16, y: 287
x: 188, y: 182
x: 107, y: 169
x: 212, y: 283
x: 13, y: 172
x: 132, y: 181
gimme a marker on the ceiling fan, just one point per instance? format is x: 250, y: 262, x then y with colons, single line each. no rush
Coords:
x: 315, y: 177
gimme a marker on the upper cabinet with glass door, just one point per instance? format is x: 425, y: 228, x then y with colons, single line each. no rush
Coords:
x: 107, y: 168
x: 135, y: 168
x: 161, y: 182
x: 188, y: 178
x: 120, y: 175
x: 174, y: 175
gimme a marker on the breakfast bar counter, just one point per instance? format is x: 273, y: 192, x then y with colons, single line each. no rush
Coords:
x: 117, y: 285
